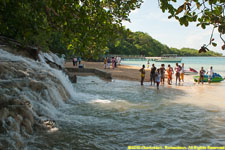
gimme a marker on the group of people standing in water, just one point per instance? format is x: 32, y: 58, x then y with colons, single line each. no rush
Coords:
x: 209, y: 73
x: 157, y: 76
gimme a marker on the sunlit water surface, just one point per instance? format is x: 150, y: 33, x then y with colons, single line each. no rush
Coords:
x: 114, y: 115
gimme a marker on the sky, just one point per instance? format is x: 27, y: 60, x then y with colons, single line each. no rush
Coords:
x: 150, y: 19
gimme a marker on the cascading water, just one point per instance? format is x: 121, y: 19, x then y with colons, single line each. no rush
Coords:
x: 31, y: 92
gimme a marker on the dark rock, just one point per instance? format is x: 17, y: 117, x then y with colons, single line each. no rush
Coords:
x: 27, y: 51
x: 2, y: 128
x: 4, y: 113
x: 72, y: 77
x: 53, y: 64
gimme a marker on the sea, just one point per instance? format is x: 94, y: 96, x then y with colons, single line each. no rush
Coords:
x: 218, y: 63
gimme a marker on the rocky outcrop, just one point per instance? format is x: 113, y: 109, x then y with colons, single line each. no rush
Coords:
x: 17, y: 48
x: 26, y: 86
x: 72, y: 77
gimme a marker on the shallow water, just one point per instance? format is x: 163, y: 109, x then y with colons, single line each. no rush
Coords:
x: 117, y: 114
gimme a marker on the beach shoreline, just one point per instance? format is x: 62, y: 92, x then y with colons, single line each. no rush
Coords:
x: 122, y: 72
x: 131, y: 73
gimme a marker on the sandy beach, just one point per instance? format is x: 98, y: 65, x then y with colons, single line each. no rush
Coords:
x: 125, y: 72
x: 122, y: 72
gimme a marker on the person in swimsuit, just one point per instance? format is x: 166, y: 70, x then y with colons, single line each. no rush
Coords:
x: 152, y: 74
x: 108, y: 63
x: 177, y: 70
x: 113, y: 62
x: 105, y: 63
x: 182, y: 72
x: 162, y: 71
x: 142, y: 70
x: 168, y: 74
x: 201, y: 75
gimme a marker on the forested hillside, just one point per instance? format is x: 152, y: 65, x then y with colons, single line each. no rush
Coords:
x: 139, y: 43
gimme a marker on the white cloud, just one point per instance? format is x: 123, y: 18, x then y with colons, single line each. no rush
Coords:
x: 160, y: 17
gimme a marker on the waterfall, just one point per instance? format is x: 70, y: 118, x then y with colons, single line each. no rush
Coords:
x: 31, y: 91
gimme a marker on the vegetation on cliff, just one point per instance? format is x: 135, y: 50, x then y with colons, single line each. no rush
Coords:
x: 139, y: 43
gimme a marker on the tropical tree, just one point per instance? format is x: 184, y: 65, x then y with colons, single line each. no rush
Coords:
x: 81, y: 26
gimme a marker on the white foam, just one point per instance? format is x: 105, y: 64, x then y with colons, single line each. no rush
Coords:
x: 101, y: 101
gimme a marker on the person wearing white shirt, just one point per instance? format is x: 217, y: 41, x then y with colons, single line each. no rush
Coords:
x: 210, y: 74
x: 158, y: 78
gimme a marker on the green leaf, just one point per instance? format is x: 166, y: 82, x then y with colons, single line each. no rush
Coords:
x: 170, y: 16
x: 180, y: 9
x: 186, y: 23
x: 203, y: 25
x: 221, y: 29
x: 214, y: 44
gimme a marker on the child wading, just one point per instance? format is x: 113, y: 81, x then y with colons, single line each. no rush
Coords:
x: 157, y: 78
x: 142, y: 70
